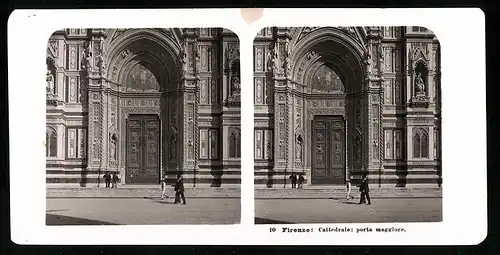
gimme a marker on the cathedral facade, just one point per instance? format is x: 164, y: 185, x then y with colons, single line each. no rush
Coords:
x: 340, y: 103
x: 143, y: 103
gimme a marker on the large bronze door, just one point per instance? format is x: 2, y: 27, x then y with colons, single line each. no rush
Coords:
x: 143, y: 149
x: 328, y: 150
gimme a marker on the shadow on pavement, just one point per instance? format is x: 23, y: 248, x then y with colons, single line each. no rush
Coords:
x: 58, y: 220
x: 164, y: 202
x: 350, y: 202
x: 268, y: 221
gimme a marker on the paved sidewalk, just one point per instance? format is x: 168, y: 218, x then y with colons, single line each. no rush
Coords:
x: 139, y: 211
x: 289, y: 211
x: 260, y: 192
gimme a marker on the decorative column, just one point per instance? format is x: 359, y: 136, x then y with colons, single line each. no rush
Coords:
x: 98, y: 109
x: 188, y: 106
x: 231, y: 93
x: 374, y: 135
x: 283, y: 106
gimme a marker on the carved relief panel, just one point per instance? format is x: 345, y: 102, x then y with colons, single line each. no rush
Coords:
x: 259, y: 142
x: 73, y: 57
x: 213, y: 58
x: 204, y: 144
x: 260, y: 92
x: 204, y: 63
x: 388, y: 144
x: 388, y: 91
x: 72, y: 143
x: 82, y: 143
x: 259, y: 58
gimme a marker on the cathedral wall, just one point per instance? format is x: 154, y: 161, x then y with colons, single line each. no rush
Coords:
x: 67, y: 109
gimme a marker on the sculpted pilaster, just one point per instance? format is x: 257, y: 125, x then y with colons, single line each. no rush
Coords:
x: 375, y: 70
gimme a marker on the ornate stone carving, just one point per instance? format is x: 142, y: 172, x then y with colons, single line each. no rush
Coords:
x: 53, y: 48
x: 197, y: 57
x: 419, y: 84
x: 349, y: 30
x: 275, y: 59
x: 298, y: 147
x: 235, y: 84
x: 88, y: 59
x: 258, y: 59
x: 184, y: 57
x: 50, y: 81
x: 380, y: 52
x: 306, y: 30
x: 368, y: 64
x: 112, y: 147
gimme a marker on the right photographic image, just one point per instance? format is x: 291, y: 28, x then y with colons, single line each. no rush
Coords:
x: 347, y: 125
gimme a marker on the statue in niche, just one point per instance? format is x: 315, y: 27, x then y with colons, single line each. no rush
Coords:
x: 419, y: 83
x: 235, y: 84
x: 288, y: 67
x: 112, y: 146
x: 101, y: 63
x: 50, y: 82
x: 198, y: 60
x: 298, y: 150
x: 269, y: 57
x: 184, y: 57
x: 381, y: 56
x: 368, y: 63
x: 275, y: 62
x: 87, y: 57
x: 173, y: 146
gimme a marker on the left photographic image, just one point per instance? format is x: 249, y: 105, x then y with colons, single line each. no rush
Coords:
x: 143, y: 126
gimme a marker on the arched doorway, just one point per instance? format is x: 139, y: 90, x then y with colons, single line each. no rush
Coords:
x: 328, y: 72
x: 140, y: 111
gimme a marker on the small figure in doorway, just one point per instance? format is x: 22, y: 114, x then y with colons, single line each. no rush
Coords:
x: 179, y: 190
x: 115, y: 180
x: 365, y: 191
x: 301, y: 180
x: 293, y: 179
x: 107, y: 179
x: 349, y: 188
x: 164, y: 187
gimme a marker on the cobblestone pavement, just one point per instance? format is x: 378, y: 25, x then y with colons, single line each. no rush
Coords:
x: 123, y: 211
x: 282, y: 211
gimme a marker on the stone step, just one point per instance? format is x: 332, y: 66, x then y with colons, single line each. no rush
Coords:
x: 260, y: 193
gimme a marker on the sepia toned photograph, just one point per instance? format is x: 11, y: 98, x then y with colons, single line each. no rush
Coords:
x: 347, y: 125
x: 143, y: 126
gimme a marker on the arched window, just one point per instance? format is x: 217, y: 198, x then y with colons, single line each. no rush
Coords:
x: 420, y: 144
x: 416, y: 145
x: 51, y: 143
x: 234, y: 144
x: 424, y: 146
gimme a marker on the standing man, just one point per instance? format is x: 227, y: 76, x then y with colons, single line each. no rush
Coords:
x: 179, y: 190
x: 115, y: 180
x: 107, y: 179
x: 164, y: 187
x: 365, y: 191
x: 301, y: 181
x: 349, y: 188
x: 293, y: 179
